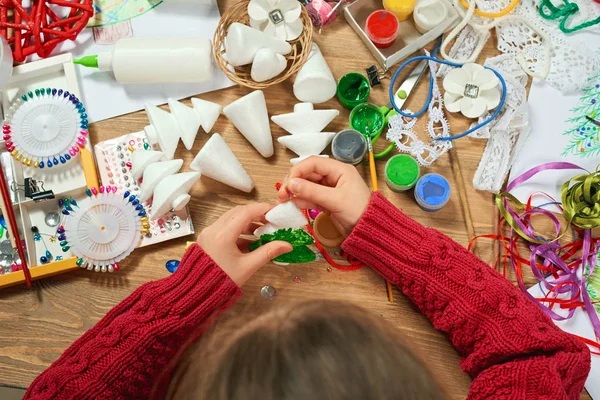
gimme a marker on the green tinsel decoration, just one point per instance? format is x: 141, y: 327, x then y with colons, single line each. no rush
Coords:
x: 297, y: 238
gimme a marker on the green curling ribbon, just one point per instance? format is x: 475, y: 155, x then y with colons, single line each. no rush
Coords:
x: 297, y: 238
x: 564, y: 13
x: 581, y: 200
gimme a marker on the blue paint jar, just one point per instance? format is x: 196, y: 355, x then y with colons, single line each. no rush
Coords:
x: 432, y: 192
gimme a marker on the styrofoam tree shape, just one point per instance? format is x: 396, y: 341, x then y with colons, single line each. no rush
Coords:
x: 266, y: 65
x: 141, y: 159
x: 243, y: 42
x: 297, y: 160
x: 156, y: 172
x: 285, y: 223
x: 183, y: 122
x: 585, y: 134
x: 309, y: 144
x: 249, y: 115
x: 217, y: 161
x: 171, y: 193
x: 305, y: 119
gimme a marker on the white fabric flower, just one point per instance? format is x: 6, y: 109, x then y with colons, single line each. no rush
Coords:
x: 472, y: 90
x: 279, y: 18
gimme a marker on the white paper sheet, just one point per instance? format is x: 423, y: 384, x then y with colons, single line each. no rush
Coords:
x: 550, y: 111
x: 579, y: 325
x: 104, y: 98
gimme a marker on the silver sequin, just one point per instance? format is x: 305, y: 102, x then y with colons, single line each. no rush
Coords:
x: 268, y: 293
x: 52, y: 219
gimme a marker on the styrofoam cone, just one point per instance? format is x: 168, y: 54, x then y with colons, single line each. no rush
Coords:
x: 305, y: 120
x: 140, y: 159
x: 315, y: 82
x: 209, y: 112
x: 154, y: 173
x: 266, y: 65
x: 188, y: 120
x: 297, y: 160
x: 307, y: 144
x: 242, y: 43
x: 266, y: 229
x: 250, y: 117
x: 166, y: 128
x: 170, y: 190
x: 217, y: 161
x: 286, y: 215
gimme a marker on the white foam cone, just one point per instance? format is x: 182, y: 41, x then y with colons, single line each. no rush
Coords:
x: 140, y: 159
x: 297, y: 160
x: 250, y: 117
x: 307, y: 144
x: 267, y: 229
x: 305, y: 119
x: 166, y: 129
x: 154, y: 173
x: 266, y: 65
x: 217, y: 161
x: 286, y: 215
x: 315, y: 82
x: 188, y: 120
x: 242, y: 43
x: 171, y: 192
x: 209, y: 112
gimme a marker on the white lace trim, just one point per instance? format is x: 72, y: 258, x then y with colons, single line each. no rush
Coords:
x: 401, y: 132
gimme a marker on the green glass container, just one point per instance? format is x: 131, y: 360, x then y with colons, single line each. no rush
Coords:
x: 368, y: 119
x: 353, y: 89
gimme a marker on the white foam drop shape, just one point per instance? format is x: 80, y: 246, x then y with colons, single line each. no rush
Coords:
x: 243, y: 42
x: 154, y: 173
x: 166, y: 129
x: 266, y: 229
x: 314, y: 82
x: 249, y: 115
x: 172, y: 192
x: 140, y: 159
x: 217, y: 161
x: 305, y: 119
x: 209, y: 112
x: 307, y: 144
x: 297, y: 160
x: 266, y: 65
x: 188, y: 120
x: 286, y: 215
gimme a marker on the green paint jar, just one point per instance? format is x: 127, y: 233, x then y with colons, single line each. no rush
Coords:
x: 367, y: 119
x: 402, y: 172
x: 353, y: 89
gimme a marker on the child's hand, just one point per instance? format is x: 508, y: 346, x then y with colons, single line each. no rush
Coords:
x: 222, y: 242
x: 330, y: 186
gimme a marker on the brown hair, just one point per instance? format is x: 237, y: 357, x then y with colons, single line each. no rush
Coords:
x: 311, y: 350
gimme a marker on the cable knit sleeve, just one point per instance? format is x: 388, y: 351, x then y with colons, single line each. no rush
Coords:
x: 507, y: 344
x: 133, y: 346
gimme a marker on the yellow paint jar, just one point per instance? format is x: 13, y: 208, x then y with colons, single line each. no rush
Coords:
x: 402, y: 8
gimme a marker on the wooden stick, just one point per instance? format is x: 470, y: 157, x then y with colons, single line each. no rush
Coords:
x: 388, y: 285
x: 462, y: 192
x: 496, y: 228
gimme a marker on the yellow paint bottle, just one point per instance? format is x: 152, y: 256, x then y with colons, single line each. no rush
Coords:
x: 402, y: 8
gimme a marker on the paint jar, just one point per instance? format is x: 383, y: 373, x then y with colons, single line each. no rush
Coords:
x: 349, y: 146
x: 401, y: 8
x: 432, y: 192
x: 401, y: 172
x: 326, y: 231
x: 353, y: 89
x: 367, y: 119
x: 428, y: 14
x: 382, y: 27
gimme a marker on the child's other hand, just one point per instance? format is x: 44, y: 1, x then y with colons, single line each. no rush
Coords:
x: 222, y: 242
x: 331, y: 186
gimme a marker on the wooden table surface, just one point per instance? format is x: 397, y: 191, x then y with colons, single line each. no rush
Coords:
x: 38, y: 324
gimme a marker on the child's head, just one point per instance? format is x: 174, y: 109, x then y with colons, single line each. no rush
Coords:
x: 312, y: 350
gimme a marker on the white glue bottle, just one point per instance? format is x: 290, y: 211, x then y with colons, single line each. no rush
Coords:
x: 156, y: 60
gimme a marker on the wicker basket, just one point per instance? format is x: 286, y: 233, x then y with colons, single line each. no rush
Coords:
x: 295, y: 59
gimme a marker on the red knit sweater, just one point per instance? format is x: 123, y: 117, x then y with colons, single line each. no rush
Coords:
x: 509, y: 347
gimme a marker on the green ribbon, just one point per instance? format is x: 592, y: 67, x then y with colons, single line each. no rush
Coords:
x: 564, y: 13
x: 581, y: 200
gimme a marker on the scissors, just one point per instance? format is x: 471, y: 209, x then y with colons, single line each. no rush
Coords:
x: 400, y: 98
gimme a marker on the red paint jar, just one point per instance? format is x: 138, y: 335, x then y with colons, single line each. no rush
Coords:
x: 382, y: 28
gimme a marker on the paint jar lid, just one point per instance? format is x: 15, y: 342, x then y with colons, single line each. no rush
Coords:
x: 349, y: 146
x: 432, y: 192
x: 367, y: 119
x: 401, y: 172
x: 353, y: 89
x: 326, y: 231
x: 382, y: 28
